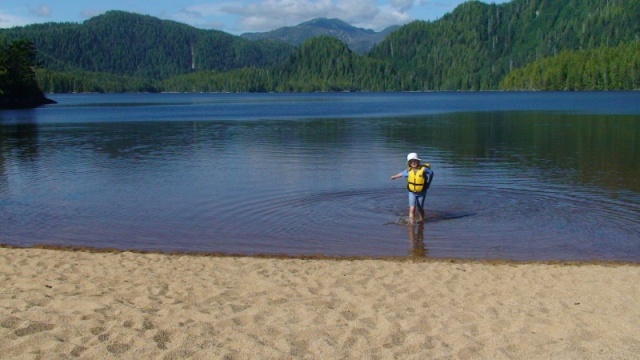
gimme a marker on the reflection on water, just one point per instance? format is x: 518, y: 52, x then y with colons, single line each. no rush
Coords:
x: 599, y: 149
x: 513, y: 184
x: 416, y: 238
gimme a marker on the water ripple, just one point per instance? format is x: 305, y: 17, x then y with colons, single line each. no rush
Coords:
x: 474, y: 221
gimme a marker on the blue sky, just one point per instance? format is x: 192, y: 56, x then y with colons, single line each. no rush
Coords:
x: 233, y: 16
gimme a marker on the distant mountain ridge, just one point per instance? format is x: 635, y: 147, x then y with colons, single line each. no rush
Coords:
x: 472, y: 48
x: 123, y: 43
x: 357, y: 39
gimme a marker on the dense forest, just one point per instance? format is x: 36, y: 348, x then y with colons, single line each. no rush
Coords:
x: 523, y: 44
x: 476, y: 45
x: 122, y: 43
x: 18, y: 85
x: 603, y: 68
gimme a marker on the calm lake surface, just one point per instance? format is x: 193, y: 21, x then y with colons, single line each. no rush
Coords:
x: 520, y: 176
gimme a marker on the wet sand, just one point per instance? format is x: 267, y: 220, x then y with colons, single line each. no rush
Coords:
x: 58, y: 304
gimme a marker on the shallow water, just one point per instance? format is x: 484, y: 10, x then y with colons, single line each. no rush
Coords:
x: 521, y: 176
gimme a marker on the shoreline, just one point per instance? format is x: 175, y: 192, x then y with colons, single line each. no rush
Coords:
x: 121, y: 304
x: 88, y: 249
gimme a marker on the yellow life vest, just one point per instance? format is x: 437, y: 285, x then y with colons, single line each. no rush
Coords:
x: 418, y: 180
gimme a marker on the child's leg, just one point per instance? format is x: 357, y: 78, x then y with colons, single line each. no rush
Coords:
x: 420, y: 204
x: 412, y: 206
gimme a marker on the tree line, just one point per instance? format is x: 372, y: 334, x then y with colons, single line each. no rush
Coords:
x: 18, y: 84
x: 326, y: 64
x: 478, y: 44
x: 126, y: 44
x: 522, y: 44
x: 604, y: 68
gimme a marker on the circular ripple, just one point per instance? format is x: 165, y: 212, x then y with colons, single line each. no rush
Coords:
x: 461, y: 222
x: 467, y: 222
x: 530, y: 225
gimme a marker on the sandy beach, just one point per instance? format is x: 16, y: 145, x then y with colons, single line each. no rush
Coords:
x: 57, y: 304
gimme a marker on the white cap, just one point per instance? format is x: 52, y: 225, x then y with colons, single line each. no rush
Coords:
x: 413, y: 156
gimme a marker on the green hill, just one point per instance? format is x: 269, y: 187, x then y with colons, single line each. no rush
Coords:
x: 603, y: 68
x: 123, y: 43
x: 476, y: 45
x: 472, y: 48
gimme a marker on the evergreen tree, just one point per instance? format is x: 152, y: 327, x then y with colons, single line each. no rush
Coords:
x: 522, y: 44
x: 18, y: 86
x: 603, y: 68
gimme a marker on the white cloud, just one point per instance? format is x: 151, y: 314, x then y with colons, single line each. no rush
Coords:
x: 207, y: 15
x: 402, y: 6
x: 367, y: 14
x: 189, y: 16
x: 271, y: 14
x: 40, y: 11
x: 265, y: 15
x: 8, y: 20
x: 89, y: 13
x: 388, y: 16
x: 237, y: 16
x: 358, y: 9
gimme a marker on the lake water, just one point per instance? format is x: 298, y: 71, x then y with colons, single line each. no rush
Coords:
x: 519, y: 176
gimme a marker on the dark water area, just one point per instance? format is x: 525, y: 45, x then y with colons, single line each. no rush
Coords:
x: 519, y: 176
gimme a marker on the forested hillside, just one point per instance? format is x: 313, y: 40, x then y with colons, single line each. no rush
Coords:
x: 18, y: 86
x: 122, y: 43
x: 478, y: 46
x: 603, y: 68
x: 319, y: 64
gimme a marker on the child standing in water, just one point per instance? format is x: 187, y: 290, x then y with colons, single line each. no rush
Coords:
x: 419, y: 178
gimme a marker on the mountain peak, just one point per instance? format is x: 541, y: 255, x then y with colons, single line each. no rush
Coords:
x: 357, y: 39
